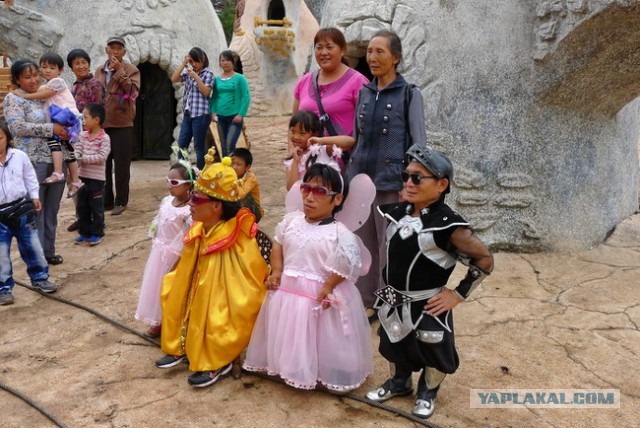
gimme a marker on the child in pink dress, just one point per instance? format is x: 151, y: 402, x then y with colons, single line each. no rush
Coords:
x: 312, y: 326
x: 167, y: 228
x: 306, y: 147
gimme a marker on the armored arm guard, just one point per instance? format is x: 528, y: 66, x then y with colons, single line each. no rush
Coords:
x: 474, y: 276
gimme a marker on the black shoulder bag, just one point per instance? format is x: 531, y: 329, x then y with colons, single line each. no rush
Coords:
x: 325, y: 121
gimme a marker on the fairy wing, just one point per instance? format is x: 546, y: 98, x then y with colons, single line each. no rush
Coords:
x: 357, y: 206
x: 293, y: 200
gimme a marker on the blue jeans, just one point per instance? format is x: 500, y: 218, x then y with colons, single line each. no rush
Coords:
x: 196, y: 128
x: 30, y: 250
x: 229, y: 133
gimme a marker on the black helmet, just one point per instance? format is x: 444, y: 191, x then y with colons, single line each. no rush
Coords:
x: 436, y: 162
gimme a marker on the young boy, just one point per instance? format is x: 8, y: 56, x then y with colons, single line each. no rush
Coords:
x: 56, y: 92
x: 248, y: 182
x: 92, y: 150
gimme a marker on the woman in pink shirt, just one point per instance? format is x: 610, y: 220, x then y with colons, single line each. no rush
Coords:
x: 337, y: 83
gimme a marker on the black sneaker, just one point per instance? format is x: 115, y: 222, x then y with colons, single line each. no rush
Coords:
x: 45, y: 286
x: 393, y: 387
x: 169, y: 361
x: 202, y: 379
x: 6, y: 298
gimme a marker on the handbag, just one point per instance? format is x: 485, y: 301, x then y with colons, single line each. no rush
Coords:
x: 15, y: 212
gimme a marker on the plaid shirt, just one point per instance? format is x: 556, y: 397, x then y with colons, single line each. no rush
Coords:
x: 193, y: 101
x: 86, y: 91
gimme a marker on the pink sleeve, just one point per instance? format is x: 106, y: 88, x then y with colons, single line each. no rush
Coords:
x: 57, y: 84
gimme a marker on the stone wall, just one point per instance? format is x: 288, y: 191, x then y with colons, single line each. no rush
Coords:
x: 534, y: 169
x: 156, y: 31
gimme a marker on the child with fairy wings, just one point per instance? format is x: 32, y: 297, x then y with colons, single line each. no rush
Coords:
x: 312, y: 329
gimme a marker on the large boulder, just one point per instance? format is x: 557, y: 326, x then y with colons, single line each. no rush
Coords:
x: 532, y: 101
x: 274, y: 39
x: 156, y: 31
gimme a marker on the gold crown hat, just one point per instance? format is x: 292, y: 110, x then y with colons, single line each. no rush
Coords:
x: 218, y: 180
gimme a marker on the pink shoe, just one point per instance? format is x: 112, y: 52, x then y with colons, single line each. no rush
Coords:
x: 74, y: 188
x: 54, y: 178
x: 153, y: 331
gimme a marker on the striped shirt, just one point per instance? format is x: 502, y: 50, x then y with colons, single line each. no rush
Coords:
x: 92, y: 154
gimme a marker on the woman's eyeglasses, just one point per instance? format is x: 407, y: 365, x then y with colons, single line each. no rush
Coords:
x: 198, y: 200
x: 319, y: 192
x: 174, y: 182
x: 415, y: 178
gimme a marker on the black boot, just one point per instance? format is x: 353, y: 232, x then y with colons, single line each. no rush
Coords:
x: 425, y: 403
x: 399, y: 384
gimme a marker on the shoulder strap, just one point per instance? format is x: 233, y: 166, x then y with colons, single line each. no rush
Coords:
x: 325, y: 121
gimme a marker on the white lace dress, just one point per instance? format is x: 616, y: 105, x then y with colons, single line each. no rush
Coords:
x: 166, y: 230
x: 293, y: 336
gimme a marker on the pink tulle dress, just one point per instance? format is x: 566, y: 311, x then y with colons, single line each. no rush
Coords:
x: 166, y: 230
x: 293, y: 336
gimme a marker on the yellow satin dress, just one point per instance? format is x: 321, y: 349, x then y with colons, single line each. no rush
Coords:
x: 210, y: 301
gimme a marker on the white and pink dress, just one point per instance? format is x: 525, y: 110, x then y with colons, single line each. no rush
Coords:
x: 166, y: 230
x: 293, y: 336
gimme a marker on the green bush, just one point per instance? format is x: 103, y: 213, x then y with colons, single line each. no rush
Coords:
x: 226, y: 16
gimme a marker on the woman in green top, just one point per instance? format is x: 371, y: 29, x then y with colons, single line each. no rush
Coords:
x: 229, y: 102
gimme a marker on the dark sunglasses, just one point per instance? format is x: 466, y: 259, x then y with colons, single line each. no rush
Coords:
x: 198, y: 200
x: 174, y: 182
x: 415, y: 178
x: 319, y: 192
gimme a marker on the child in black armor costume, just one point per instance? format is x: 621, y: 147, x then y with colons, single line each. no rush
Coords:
x: 425, y: 238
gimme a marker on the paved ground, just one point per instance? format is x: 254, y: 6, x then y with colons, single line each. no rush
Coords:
x: 540, y: 321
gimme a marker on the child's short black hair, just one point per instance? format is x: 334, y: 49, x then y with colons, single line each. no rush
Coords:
x: 307, y: 119
x: 5, y: 128
x: 78, y: 53
x: 331, y: 178
x: 185, y: 174
x: 52, y: 58
x: 243, y: 154
x: 96, y: 110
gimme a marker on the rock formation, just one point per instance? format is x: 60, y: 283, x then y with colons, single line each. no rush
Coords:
x: 533, y: 102
x: 158, y: 32
x: 274, y: 39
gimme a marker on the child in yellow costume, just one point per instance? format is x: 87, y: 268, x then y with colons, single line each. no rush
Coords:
x: 210, y: 301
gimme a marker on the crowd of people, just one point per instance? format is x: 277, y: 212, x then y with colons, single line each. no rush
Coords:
x: 207, y: 292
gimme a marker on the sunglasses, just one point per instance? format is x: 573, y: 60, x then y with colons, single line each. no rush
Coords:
x: 319, y: 192
x: 415, y: 178
x: 198, y: 200
x: 173, y: 182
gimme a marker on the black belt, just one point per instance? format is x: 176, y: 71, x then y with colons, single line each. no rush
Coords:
x: 8, y: 204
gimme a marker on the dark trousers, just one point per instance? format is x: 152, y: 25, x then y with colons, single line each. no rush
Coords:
x: 118, y: 164
x: 50, y: 196
x: 90, y: 208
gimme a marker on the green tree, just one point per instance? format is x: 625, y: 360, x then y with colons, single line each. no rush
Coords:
x: 226, y: 10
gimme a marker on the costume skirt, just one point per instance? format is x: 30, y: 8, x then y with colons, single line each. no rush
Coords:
x: 304, y: 344
x: 159, y: 262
